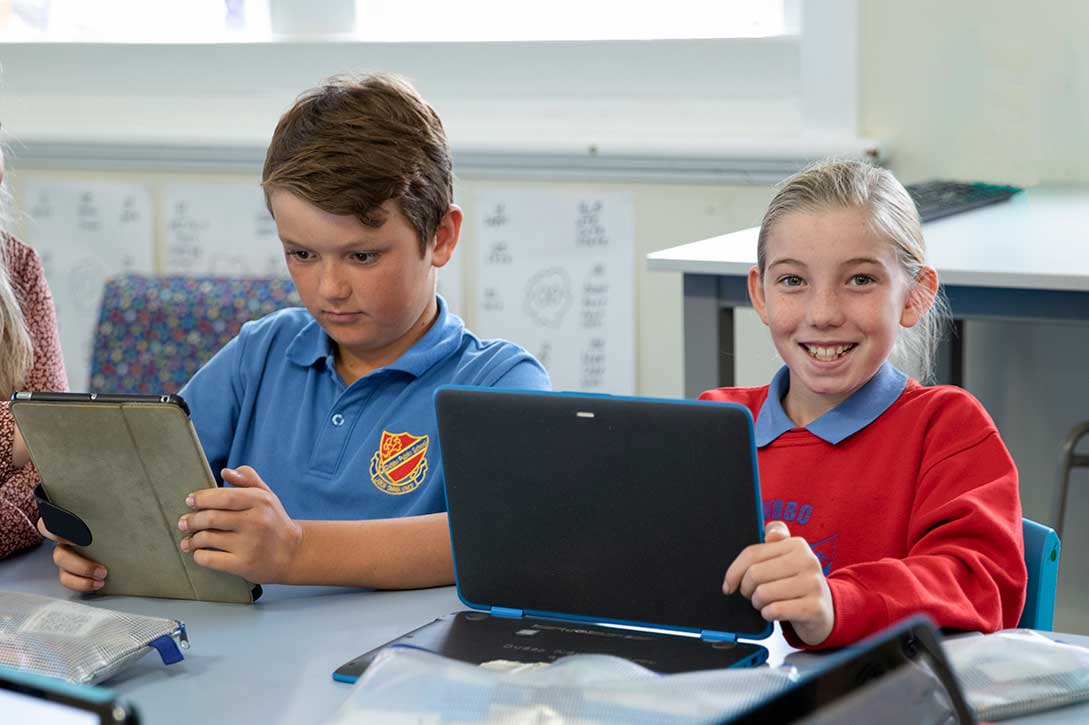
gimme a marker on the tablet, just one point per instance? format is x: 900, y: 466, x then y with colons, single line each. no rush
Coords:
x: 115, y: 471
x: 28, y: 698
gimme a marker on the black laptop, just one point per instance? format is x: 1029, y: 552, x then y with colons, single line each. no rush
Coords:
x: 580, y: 521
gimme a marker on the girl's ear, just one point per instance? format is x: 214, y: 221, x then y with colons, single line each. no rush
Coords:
x: 920, y: 298
x: 756, y: 294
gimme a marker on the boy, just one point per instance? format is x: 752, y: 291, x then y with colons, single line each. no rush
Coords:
x: 322, y: 419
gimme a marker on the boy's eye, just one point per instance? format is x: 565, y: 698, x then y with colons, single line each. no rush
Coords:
x: 365, y: 257
x: 790, y: 280
x: 300, y: 254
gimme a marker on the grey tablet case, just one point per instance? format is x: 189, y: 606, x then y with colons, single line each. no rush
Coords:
x: 569, y: 510
x: 115, y: 473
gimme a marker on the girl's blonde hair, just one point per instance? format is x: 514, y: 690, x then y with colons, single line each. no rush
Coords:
x: 841, y: 184
x: 16, y: 345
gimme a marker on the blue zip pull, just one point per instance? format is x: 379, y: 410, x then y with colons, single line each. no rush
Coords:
x: 167, y: 649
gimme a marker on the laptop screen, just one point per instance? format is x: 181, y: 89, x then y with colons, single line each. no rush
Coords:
x: 603, y: 508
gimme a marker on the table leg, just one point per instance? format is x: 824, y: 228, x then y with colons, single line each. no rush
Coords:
x: 708, y: 347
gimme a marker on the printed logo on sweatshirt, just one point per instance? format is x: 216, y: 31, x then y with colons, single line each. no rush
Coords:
x: 795, y: 514
x: 825, y: 549
x: 788, y: 511
x: 399, y: 465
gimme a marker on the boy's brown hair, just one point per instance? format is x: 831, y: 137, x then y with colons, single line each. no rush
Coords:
x: 355, y: 142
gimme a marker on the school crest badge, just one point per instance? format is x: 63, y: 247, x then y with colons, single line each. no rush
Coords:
x: 399, y: 465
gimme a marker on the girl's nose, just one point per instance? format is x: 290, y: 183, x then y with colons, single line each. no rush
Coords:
x: 825, y: 309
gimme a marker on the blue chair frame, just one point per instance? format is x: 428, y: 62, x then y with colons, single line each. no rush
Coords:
x: 1042, y: 549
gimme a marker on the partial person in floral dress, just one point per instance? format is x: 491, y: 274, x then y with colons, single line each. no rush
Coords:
x: 30, y: 359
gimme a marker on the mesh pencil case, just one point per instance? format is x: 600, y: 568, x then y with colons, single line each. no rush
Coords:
x: 79, y: 643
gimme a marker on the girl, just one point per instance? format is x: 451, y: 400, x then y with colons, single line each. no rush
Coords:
x: 30, y: 359
x: 884, y: 497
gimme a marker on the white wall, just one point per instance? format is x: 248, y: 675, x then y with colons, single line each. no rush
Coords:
x: 998, y: 90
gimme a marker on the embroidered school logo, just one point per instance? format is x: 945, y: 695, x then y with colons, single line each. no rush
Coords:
x: 400, y: 464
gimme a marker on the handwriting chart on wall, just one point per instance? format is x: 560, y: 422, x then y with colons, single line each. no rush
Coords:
x: 86, y: 232
x: 220, y: 228
x: 555, y: 275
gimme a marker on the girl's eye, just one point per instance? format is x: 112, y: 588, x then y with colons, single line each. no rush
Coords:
x: 861, y: 280
x: 790, y: 280
x: 300, y: 254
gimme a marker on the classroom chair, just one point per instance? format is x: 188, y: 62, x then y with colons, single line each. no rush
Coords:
x: 1042, y: 548
x: 1069, y: 459
x: 154, y: 332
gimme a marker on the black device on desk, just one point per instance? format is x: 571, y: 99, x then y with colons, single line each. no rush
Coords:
x: 898, y: 676
x: 569, y: 512
x: 940, y: 198
x: 26, y: 698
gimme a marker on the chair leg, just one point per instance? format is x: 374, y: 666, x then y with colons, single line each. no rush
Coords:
x: 1068, y: 460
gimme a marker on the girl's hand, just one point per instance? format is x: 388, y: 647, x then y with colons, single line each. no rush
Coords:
x: 783, y: 579
x: 77, y: 572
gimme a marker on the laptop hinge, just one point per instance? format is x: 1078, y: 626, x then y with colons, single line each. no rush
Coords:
x: 506, y: 612
x: 712, y: 636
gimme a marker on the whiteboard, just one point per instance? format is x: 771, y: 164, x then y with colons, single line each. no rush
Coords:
x: 221, y: 229
x: 556, y: 275
x: 86, y: 232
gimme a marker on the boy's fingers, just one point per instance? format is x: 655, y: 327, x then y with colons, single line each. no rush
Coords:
x: 244, y: 476
x: 227, y: 499
x: 47, y: 534
x: 218, y: 519
x: 72, y: 563
x: 79, y: 583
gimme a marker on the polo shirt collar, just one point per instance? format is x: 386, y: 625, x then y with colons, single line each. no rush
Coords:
x: 313, y: 345
x: 839, y: 423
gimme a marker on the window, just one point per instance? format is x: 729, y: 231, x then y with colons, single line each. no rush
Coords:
x: 171, y: 21
x: 503, y: 20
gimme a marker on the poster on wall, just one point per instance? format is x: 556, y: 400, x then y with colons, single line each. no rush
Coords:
x: 219, y: 228
x: 556, y: 275
x: 86, y: 232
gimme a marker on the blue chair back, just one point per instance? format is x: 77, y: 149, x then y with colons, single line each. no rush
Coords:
x: 1042, y: 549
x: 155, y: 331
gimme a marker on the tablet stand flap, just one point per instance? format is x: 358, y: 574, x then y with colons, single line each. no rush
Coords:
x: 61, y: 522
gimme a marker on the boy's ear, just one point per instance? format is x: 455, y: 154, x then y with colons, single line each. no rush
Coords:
x: 446, y: 236
x: 756, y: 294
x: 920, y: 298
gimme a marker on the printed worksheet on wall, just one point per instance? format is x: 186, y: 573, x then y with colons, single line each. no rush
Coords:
x: 86, y: 232
x: 556, y: 275
x: 219, y: 228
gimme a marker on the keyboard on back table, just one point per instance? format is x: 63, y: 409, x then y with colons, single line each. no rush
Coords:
x: 937, y: 199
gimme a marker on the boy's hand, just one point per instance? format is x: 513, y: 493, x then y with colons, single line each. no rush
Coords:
x: 783, y: 579
x: 242, y: 530
x: 76, y: 572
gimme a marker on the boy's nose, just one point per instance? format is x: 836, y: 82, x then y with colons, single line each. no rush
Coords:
x: 333, y: 285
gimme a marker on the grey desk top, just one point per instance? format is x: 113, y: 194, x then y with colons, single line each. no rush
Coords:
x: 273, y: 662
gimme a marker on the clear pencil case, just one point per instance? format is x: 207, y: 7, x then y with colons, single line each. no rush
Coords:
x: 77, y: 642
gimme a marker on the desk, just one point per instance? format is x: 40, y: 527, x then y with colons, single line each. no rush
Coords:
x: 273, y: 662
x: 1025, y: 259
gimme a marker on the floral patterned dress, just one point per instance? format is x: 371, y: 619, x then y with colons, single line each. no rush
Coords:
x: 18, y: 511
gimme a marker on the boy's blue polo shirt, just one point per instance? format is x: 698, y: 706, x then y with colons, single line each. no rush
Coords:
x: 272, y: 399
x: 860, y: 409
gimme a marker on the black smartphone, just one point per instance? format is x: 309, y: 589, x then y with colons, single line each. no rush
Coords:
x: 26, y: 698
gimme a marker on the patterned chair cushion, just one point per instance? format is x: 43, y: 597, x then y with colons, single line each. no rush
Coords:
x: 154, y: 332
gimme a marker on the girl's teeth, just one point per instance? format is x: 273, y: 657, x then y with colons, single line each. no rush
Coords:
x: 827, y: 353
